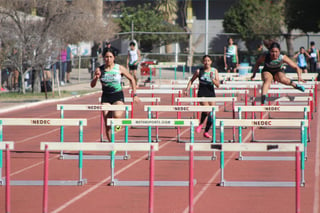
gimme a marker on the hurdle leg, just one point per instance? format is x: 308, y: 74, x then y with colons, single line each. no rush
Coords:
x: 214, y: 139
x: 151, y: 180
x: 222, y: 181
x: 112, y: 163
x: 298, y: 171
x: 8, y: 192
x: 45, y: 180
x: 191, y: 179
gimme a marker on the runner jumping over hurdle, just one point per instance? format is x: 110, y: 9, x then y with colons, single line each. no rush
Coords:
x: 109, y: 75
x: 273, y: 70
x: 208, y: 78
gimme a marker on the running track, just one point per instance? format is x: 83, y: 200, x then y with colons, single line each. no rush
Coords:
x: 97, y: 196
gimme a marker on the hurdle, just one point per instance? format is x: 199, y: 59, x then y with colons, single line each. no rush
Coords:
x: 45, y: 122
x: 174, y: 65
x: 268, y: 147
x: 97, y: 107
x: 179, y: 109
x: 150, y: 122
x: 7, y: 146
x: 153, y: 100
x: 158, y: 91
x: 81, y: 147
x: 196, y: 100
x: 276, y: 109
x: 268, y: 122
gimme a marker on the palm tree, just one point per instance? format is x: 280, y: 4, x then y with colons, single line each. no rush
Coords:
x: 169, y: 8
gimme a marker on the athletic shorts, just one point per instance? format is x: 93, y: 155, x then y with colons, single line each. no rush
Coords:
x: 303, y: 68
x: 69, y: 66
x: 231, y: 65
x: 273, y: 73
x: 111, y: 98
x: 133, y: 67
x: 205, y: 92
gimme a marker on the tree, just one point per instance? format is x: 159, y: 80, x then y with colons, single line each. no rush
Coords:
x: 143, y: 22
x: 254, y: 20
x: 303, y: 14
x: 38, y: 37
x: 168, y: 8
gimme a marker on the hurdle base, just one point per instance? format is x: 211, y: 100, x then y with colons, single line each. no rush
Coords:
x: 50, y: 182
x: 275, y: 141
x: 180, y: 158
x: 94, y: 157
x: 147, y: 183
x: 258, y: 183
x: 268, y: 158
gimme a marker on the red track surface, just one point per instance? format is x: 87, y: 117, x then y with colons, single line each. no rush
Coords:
x: 97, y: 196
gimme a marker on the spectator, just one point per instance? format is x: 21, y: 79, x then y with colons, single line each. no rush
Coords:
x: 112, y: 48
x: 95, y: 52
x: 133, y: 60
x: 314, y: 57
x: 69, y: 63
x: 62, y: 65
x: 301, y: 57
x: 231, y: 59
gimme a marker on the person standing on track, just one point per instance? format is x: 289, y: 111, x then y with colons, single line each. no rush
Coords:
x: 273, y: 70
x: 231, y: 59
x: 302, y: 57
x: 208, y: 78
x: 109, y: 75
x: 133, y: 60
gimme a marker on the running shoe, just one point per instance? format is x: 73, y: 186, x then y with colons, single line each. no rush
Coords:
x: 118, y: 128
x: 206, y: 135
x: 198, y: 129
x: 300, y: 87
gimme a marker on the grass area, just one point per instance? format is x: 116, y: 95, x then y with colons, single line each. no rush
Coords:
x: 29, y: 96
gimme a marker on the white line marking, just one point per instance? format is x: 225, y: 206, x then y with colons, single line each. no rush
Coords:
x: 317, y: 169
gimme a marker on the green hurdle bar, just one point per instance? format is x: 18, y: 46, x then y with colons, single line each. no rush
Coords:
x: 150, y: 122
x: 265, y: 122
x: 45, y: 122
x: 92, y: 107
x: 248, y: 147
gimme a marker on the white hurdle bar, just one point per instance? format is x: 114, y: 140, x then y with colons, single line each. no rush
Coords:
x: 152, y: 122
x: 7, y: 146
x: 178, y: 109
x: 53, y: 146
x: 263, y: 123
x: 44, y: 122
x: 294, y: 109
x: 158, y: 91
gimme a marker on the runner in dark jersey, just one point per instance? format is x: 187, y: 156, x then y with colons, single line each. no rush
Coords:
x: 208, y: 78
x: 109, y: 75
x: 273, y: 70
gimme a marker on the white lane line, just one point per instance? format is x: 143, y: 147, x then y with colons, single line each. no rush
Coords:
x: 83, y: 194
x: 317, y: 169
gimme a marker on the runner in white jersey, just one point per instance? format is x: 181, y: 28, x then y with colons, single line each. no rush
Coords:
x: 109, y: 75
x: 133, y: 60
